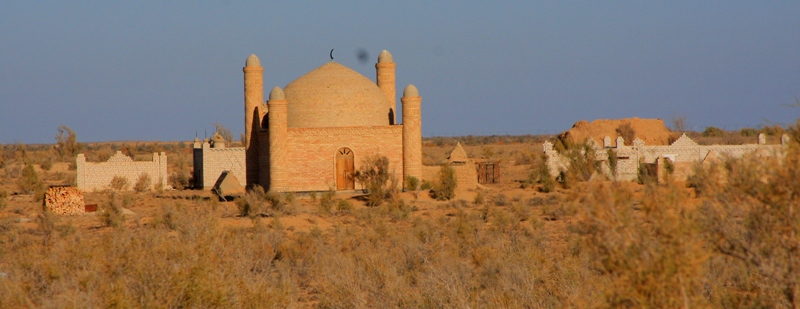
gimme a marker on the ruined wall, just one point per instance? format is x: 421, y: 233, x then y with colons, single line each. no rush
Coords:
x: 311, y: 153
x: 214, y: 161
x: 683, y: 153
x: 97, y: 176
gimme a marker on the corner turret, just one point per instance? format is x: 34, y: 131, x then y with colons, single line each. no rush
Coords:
x: 385, y: 69
x: 253, y: 97
x: 412, y: 133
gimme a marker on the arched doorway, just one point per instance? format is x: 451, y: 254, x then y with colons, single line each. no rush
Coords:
x: 345, y: 169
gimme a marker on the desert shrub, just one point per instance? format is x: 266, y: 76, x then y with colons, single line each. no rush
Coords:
x: 774, y: 130
x: 548, y: 184
x: 374, y: 176
x: 29, y: 181
x: 67, y: 146
x: 344, y: 206
x: 488, y: 152
x: 479, y: 199
x: 646, y: 259
x: 252, y: 203
x: 524, y: 158
x: 412, y: 183
x: 111, y: 209
x: 326, y: 201
x: 425, y: 185
x: 225, y: 133
x: 500, y: 200
x: 753, y: 220
x: 46, y: 164
x: 143, y: 183
x: 679, y: 123
x: 627, y: 132
x: 581, y: 164
x: 669, y: 167
x: 646, y: 174
x: 118, y: 183
x: 3, y: 199
x: 713, y: 132
x: 159, y: 186
x: 612, y: 162
x: 749, y: 132
x: 286, y: 205
x: 445, y: 187
x: 180, y: 178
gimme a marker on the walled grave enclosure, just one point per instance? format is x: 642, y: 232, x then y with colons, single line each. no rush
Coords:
x: 683, y: 154
x: 97, y: 176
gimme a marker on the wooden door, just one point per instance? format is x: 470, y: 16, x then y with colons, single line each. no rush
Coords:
x: 345, y: 169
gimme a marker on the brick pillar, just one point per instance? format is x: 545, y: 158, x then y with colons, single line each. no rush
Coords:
x: 412, y: 133
x: 80, y: 168
x: 253, y: 96
x: 386, y: 79
x: 278, y: 123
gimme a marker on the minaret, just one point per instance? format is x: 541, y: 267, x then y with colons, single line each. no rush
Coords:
x: 253, y: 96
x: 278, y: 124
x: 412, y: 133
x: 386, y: 80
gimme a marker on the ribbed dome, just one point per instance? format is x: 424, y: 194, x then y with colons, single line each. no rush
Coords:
x: 333, y: 95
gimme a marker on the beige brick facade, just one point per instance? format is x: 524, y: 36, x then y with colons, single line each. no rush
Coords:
x: 97, y: 176
x: 292, y: 140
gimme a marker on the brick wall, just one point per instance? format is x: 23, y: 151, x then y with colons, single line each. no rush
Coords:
x: 217, y: 160
x: 310, y: 153
x: 97, y: 176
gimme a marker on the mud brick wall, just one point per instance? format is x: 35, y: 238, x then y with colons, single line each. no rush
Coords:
x: 97, y: 176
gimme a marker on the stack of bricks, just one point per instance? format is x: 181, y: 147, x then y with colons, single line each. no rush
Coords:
x: 64, y: 201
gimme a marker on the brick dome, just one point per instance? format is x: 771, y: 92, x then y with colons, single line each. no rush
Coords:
x: 334, y: 95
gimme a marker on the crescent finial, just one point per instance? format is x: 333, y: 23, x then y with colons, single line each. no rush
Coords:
x: 331, y: 53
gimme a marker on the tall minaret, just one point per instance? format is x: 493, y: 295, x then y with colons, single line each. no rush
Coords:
x: 278, y: 124
x: 412, y: 133
x: 386, y: 80
x: 253, y: 96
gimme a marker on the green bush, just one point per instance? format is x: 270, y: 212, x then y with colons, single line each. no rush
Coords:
x: 445, y: 187
x: 412, y: 183
x: 713, y: 132
x: 374, y: 176
x: 29, y: 181
x: 425, y: 185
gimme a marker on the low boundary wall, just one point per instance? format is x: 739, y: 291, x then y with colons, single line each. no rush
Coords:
x: 97, y: 176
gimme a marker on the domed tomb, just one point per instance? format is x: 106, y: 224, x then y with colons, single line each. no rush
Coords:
x: 334, y: 95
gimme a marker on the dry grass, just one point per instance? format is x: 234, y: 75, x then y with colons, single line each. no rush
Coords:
x: 729, y: 241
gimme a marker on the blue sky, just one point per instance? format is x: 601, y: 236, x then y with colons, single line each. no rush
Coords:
x: 162, y: 70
